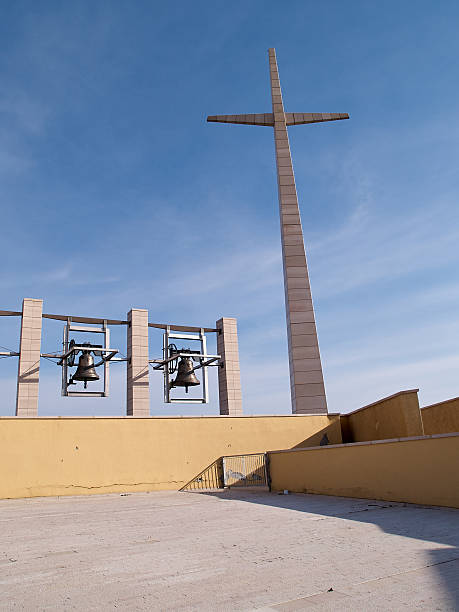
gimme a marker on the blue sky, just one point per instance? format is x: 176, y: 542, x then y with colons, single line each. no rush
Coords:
x: 115, y: 193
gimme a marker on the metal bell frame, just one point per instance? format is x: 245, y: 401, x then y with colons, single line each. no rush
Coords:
x: 204, y: 361
x: 71, y: 349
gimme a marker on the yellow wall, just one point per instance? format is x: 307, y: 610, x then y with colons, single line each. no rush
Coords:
x: 397, y: 416
x: 420, y: 471
x: 75, y: 456
x: 442, y: 417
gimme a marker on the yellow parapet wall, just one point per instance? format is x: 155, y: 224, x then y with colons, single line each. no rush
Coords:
x: 396, y: 416
x: 80, y: 456
x: 418, y: 470
x: 442, y: 417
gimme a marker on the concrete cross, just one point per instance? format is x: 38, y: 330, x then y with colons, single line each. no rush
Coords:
x: 306, y: 379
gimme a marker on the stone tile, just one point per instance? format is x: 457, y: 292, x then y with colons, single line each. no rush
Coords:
x: 298, y: 282
x: 313, y: 376
x: 302, y: 353
x: 310, y: 405
x: 299, y: 306
x: 309, y: 390
x: 296, y: 271
x: 305, y: 341
x: 291, y: 220
x: 292, y: 230
x: 292, y: 240
x: 289, y: 209
x: 302, y: 294
x: 302, y: 317
x: 286, y: 171
x: 283, y: 152
x: 303, y: 328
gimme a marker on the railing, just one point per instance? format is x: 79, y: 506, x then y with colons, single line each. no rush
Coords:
x: 245, y: 470
x: 232, y: 471
x: 210, y: 478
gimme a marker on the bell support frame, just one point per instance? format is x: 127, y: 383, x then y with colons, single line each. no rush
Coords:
x: 138, y: 404
x: 205, y: 361
x: 107, y: 354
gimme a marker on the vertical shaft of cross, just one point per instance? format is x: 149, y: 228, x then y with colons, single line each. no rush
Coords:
x: 306, y: 379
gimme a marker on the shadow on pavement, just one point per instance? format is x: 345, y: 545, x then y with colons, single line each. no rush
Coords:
x: 434, y: 524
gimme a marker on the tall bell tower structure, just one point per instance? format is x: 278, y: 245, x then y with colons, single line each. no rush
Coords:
x: 306, y: 378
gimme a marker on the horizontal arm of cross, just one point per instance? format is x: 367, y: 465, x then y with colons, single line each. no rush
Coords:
x: 259, y: 119
x: 301, y: 118
x: 268, y: 118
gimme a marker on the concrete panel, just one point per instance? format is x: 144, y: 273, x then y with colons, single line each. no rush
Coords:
x: 417, y: 471
x: 86, y: 456
x: 442, y: 417
x: 396, y: 416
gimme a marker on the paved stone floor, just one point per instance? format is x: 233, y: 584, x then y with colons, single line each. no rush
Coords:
x: 228, y: 550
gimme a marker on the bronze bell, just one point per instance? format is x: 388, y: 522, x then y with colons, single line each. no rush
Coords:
x: 85, y: 370
x: 185, y: 375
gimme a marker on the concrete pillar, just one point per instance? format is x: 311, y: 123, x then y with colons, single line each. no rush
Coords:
x: 138, y: 392
x: 29, y: 358
x: 229, y: 376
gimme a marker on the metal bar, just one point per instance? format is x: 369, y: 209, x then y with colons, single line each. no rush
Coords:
x: 84, y: 319
x: 85, y: 394
x: 9, y: 354
x: 205, y: 380
x: 63, y: 362
x: 181, y: 336
x: 98, y: 349
x: 245, y: 455
x: 76, y: 347
x: 206, y: 363
x: 167, y: 387
x: 267, y: 477
x: 186, y: 401
x: 184, y: 328
x: 105, y: 359
x: 177, y: 355
x: 57, y: 317
x: 82, y: 328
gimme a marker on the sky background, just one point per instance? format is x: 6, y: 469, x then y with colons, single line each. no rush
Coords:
x: 116, y: 193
